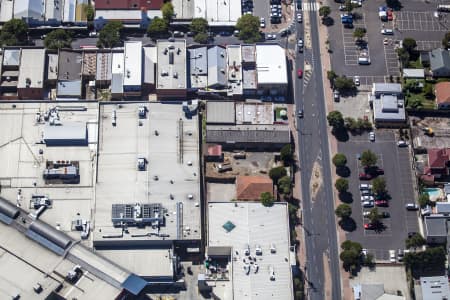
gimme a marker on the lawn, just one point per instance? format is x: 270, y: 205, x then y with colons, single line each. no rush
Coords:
x: 419, y: 101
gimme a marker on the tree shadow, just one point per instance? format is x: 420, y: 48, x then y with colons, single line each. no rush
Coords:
x: 347, y: 224
x: 394, y: 4
x: 343, y: 171
x: 380, y: 227
x: 340, y: 134
x: 346, y: 197
x: 328, y: 21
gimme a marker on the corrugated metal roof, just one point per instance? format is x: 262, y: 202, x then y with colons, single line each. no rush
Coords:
x: 250, y: 134
x: 216, y: 66
x: 68, y: 88
x: 220, y: 112
x: 134, y: 284
x: 103, y: 66
x: 32, y: 66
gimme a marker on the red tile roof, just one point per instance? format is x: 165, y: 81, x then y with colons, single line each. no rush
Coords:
x: 251, y: 187
x: 442, y: 92
x: 129, y: 4
x: 438, y: 158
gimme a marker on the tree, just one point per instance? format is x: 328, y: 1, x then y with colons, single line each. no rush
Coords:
x: 368, y: 159
x: 432, y: 259
x: 331, y: 75
x: 415, y: 241
x: 199, y: 25
x: 58, y: 39
x: 424, y: 200
x: 446, y: 40
x: 335, y: 119
x: 343, y: 211
x: 369, y: 260
x: 359, y: 33
x: 379, y: 186
x: 248, y: 27
x: 348, y: 6
x: 351, y: 255
x: 341, y: 185
x: 267, y: 199
x: 344, y: 83
x: 89, y: 12
x: 324, y: 11
x: 284, y: 185
x: 339, y: 160
x: 276, y: 173
x: 201, y: 38
x: 403, y: 56
x: 374, y: 216
x: 110, y: 35
x: 14, y: 33
x: 167, y: 11
x: 394, y: 4
x: 157, y: 28
x: 286, y: 154
x: 409, y: 44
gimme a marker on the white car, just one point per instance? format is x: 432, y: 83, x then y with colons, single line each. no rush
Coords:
x: 372, y: 136
x: 262, y: 23
x: 271, y: 37
x: 364, y: 252
x: 356, y: 80
x: 342, y: 7
x: 93, y: 34
x: 367, y: 198
x: 365, y: 186
x: 387, y: 31
x: 356, y: 3
x: 385, y: 41
x: 402, y: 144
x: 392, y: 257
x: 368, y: 204
x: 299, y: 18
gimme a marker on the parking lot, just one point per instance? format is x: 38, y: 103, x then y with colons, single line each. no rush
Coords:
x: 421, y: 21
x: 397, y: 167
x: 351, y: 50
x: 391, y: 57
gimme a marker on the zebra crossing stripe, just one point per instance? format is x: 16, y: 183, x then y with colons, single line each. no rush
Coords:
x: 310, y: 6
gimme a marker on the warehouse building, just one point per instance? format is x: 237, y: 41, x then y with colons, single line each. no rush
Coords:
x: 171, y: 71
x: 271, y: 70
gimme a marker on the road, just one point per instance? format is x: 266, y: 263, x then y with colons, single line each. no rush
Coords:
x: 318, y: 213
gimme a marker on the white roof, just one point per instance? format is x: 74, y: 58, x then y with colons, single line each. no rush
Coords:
x: 117, y: 63
x: 225, y: 12
x: 255, y: 225
x: 28, y: 9
x: 133, y: 63
x: 6, y: 11
x: 69, y: 10
x: 119, y: 14
x: 32, y: 65
x: 271, y: 64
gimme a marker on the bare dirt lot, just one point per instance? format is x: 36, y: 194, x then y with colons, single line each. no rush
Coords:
x: 440, y: 128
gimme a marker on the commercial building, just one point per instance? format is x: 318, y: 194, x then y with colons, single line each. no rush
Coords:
x: 52, y: 68
x: 271, y: 70
x: 31, y: 74
x: 10, y: 72
x: 69, y: 75
x: 198, y: 68
x: 217, y: 13
x: 217, y: 78
x: 6, y: 11
x: 250, y: 244
x: 31, y: 11
x: 220, y: 112
x: 132, y: 79
x: 433, y: 288
x: 234, y: 71
x: 150, y: 62
x: 388, y: 105
x: 436, y: 229
x: 103, y: 74
x: 117, y: 71
x: 171, y: 71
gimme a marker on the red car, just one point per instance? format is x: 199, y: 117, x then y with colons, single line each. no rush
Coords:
x: 299, y: 73
x: 365, y: 176
x: 369, y: 226
x: 382, y: 203
x: 374, y: 171
x: 390, y: 15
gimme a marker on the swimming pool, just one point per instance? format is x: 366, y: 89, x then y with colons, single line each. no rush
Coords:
x: 433, y: 192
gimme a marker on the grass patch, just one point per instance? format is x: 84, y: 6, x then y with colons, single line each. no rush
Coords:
x: 419, y: 101
x: 415, y: 64
x: 278, y: 114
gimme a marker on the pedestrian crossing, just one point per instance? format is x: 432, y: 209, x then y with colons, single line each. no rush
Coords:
x: 306, y: 78
x: 310, y: 6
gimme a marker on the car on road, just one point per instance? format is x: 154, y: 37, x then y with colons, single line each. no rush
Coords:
x: 368, y: 204
x: 356, y: 80
x: 387, y: 31
x: 300, y: 113
x: 402, y: 144
x: 372, y: 136
x: 367, y: 198
x: 411, y: 206
x: 93, y: 34
x: 400, y: 255
x: 262, y: 23
x: 299, y: 18
x: 365, y: 186
x: 392, y: 257
x: 365, y: 176
x: 336, y: 95
x: 299, y: 73
x: 300, y: 45
x: 270, y: 37
x: 369, y: 226
x: 381, y: 203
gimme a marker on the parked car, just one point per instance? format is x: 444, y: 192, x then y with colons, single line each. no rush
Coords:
x: 387, y: 31
x: 392, y: 256
x: 270, y: 37
x: 402, y: 144
x: 178, y: 34
x: 342, y: 7
x: 381, y: 203
x: 336, y: 95
x: 365, y: 186
x: 369, y: 226
x: 365, y: 176
x: 372, y: 136
x: 367, y: 198
x: 368, y: 204
x: 366, y: 193
x: 299, y: 73
x: 385, y: 214
x: 262, y: 23
x: 411, y: 234
x: 356, y: 80
x: 93, y: 34
x: 390, y: 15
x: 400, y: 255
x: 356, y: 3
x: 190, y: 33
x: 374, y: 171
x: 412, y: 206
x: 299, y: 18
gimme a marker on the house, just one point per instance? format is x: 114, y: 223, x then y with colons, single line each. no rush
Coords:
x: 436, y: 229
x: 433, y: 288
x: 31, y: 74
x: 442, y: 93
x: 439, y: 161
x: 440, y: 62
x: 250, y: 188
x: 388, y: 105
x: 373, y: 291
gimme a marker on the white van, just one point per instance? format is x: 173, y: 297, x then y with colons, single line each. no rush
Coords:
x: 364, y: 61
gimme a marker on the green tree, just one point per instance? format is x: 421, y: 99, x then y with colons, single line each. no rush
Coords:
x: 58, y: 39
x: 89, y: 12
x: 368, y: 159
x: 415, y: 241
x: 248, y: 27
x: 267, y: 199
x: 446, y: 40
x: 285, y: 185
x: 198, y: 25
x: 331, y: 75
x: 348, y: 6
x: 167, y: 11
x: 343, y: 211
x: 369, y: 260
x: 276, y: 173
x: 359, y: 33
x: 286, y: 154
x: 409, y: 44
x: 403, y: 56
x: 350, y: 255
x: 341, y: 185
x: 324, y: 11
x: 432, y: 259
x: 335, y: 119
x: 379, y: 186
x: 201, y: 38
x: 374, y: 216
x: 339, y: 160
x: 14, y: 33
x: 157, y: 28
x: 110, y: 35
x: 344, y: 83
x: 424, y: 200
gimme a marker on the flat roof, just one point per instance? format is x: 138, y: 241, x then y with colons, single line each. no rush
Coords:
x: 254, y: 113
x: 388, y: 108
x: 224, y: 13
x: 436, y: 226
x: 117, y: 63
x: 171, y: 71
x: 249, y: 79
x: 69, y: 66
x: 435, y: 287
x: 124, y: 14
x: 29, y: 9
x: 198, y: 67
x: 31, y: 71
x: 11, y: 57
x: 52, y: 12
x: 249, y: 134
x: 128, y: 4
x: 234, y: 60
x: 69, y: 88
x: 220, y: 112
x: 52, y: 66
x: 386, y: 88
x: 174, y: 162
x: 6, y: 10
x: 69, y: 11
x: 248, y: 54
x: 254, y: 225
x: 271, y: 64
x: 150, y: 61
x: 133, y: 64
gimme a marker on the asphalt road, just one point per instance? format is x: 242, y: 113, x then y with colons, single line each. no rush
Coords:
x: 318, y: 213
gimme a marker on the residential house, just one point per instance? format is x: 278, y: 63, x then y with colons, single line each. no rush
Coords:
x: 440, y: 62
x: 442, y: 93
x: 250, y: 188
x: 436, y: 229
x: 438, y: 164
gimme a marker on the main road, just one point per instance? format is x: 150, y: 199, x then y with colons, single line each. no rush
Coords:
x: 321, y: 269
